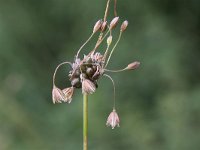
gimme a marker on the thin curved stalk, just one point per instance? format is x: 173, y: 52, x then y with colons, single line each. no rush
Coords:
x: 84, y: 45
x: 120, y: 34
x: 54, y: 75
x: 106, y: 11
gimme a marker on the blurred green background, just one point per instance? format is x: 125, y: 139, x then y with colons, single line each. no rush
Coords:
x: 158, y: 104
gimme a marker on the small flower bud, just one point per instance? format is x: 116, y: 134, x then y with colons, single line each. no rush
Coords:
x: 88, y: 86
x: 68, y: 92
x: 97, y: 26
x: 109, y: 40
x: 104, y: 26
x: 133, y: 65
x: 57, y: 95
x: 124, y: 26
x: 114, y: 22
x: 113, y: 119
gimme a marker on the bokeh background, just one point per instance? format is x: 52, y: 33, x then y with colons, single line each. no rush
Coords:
x: 159, y: 103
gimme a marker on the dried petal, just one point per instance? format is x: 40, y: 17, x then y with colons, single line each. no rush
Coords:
x: 124, y: 26
x: 57, y: 95
x: 97, y: 26
x: 113, y: 119
x: 133, y: 65
x: 68, y: 92
x: 88, y: 87
x: 114, y: 22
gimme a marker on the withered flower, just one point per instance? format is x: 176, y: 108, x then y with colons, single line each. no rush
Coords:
x: 88, y: 87
x: 57, y: 95
x: 68, y: 93
x: 113, y: 119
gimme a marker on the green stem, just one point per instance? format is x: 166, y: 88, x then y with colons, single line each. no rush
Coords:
x: 85, y: 122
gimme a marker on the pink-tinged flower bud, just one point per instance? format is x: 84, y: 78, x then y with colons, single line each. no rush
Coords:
x: 113, y: 119
x: 124, y: 26
x: 57, y: 95
x: 114, y: 22
x: 104, y: 26
x: 97, y: 26
x: 133, y: 65
x: 68, y: 92
x: 88, y: 87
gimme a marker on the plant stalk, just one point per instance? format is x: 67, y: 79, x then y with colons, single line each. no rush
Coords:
x: 85, y: 122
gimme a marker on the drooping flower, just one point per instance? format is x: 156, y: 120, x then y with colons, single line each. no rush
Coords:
x: 88, y: 87
x: 57, y: 95
x: 113, y: 119
x: 68, y: 93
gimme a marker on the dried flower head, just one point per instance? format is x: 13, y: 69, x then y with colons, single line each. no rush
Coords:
x: 113, y: 119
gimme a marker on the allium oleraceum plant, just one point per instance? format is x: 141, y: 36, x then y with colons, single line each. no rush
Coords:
x: 87, y: 70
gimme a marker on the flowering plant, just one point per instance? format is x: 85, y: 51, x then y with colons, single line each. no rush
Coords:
x: 85, y: 72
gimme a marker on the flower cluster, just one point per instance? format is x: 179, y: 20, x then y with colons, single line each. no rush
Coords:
x: 86, y: 72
